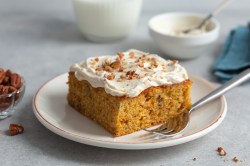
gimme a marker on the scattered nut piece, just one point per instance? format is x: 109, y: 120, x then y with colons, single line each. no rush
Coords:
x: 221, y: 151
x: 235, y: 159
x: 15, y: 129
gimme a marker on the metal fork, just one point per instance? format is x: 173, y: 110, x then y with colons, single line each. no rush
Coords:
x: 176, y: 125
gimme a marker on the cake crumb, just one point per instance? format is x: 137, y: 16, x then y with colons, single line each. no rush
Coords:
x: 221, y: 151
x: 194, y: 159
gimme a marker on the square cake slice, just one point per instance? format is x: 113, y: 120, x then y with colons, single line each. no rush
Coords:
x: 129, y: 91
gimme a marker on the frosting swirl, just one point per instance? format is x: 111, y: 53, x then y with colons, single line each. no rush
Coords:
x: 129, y: 73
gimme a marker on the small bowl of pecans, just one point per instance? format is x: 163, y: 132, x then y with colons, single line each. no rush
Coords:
x: 12, y: 87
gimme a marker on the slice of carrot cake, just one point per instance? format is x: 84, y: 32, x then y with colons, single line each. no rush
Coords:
x: 129, y: 91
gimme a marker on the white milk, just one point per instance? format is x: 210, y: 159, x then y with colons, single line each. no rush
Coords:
x: 106, y: 20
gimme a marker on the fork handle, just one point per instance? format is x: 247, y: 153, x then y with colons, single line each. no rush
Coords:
x: 245, y: 75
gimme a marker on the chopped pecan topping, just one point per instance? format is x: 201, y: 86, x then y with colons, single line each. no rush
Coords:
x: 119, y: 80
x: 122, y: 76
x: 130, y: 73
x: 96, y: 59
x: 108, y: 69
x: 116, y: 64
x: 121, y: 69
x: 120, y: 55
x: 164, y: 70
x: 111, y: 76
x: 98, y: 68
x: 141, y: 65
x: 131, y: 54
x: 175, y: 62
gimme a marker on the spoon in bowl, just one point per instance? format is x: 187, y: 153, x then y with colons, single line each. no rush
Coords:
x: 217, y: 10
x: 177, y: 124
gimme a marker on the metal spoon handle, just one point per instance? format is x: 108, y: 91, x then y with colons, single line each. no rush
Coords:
x: 245, y: 75
x: 217, y: 10
x: 220, y: 7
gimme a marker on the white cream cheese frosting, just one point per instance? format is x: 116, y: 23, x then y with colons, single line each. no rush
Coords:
x: 129, y: 73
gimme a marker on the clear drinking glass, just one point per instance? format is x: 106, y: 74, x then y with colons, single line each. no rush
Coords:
x: 106, y: 20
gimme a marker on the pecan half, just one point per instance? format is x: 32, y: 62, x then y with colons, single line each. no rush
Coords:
x: 4, y: 89
x: 2, y: 75
x: 6, y: 80
x: 8, y: 73
x: 15, y: 81
x: 11, y: 89
x: 4, y: 105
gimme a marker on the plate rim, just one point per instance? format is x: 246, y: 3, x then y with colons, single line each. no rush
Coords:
x: 127, y: 145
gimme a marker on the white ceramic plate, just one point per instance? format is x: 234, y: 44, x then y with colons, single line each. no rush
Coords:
x: 52, y: 110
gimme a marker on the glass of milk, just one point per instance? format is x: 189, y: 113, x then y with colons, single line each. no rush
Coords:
x: 106, y: 20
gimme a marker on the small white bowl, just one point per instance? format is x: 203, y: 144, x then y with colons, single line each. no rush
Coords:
x: 182, y: 46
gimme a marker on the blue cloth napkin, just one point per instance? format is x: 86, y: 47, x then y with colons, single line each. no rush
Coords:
x: 235, y: 56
